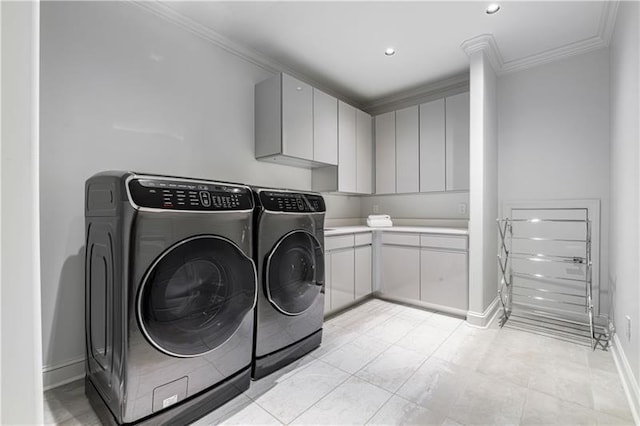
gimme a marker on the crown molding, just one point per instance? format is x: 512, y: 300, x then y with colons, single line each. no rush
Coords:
x: 608, y: 20
x: 169, y: 14
x: 487, y: 44
x: 450, y: 86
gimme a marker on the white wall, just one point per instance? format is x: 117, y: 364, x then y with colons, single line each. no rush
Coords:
x: 483, y: 245
x: 20, y: 343
x: 123, y: 89
x: 625, y: 186
x: 553, y: 137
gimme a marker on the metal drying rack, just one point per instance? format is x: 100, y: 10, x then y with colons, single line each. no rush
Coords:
x: 557, y: 306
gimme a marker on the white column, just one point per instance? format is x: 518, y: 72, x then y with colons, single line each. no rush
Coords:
x: 484, y: 60
x: 20, y: 326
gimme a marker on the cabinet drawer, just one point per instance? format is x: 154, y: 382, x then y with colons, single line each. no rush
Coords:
x: 401, y: 239
x: 338, y: 241
x: 443, y: 241
x: 363, y: 239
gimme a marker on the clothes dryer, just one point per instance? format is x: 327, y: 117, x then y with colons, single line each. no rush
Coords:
x: 170, y: 296
x: 289, y: 256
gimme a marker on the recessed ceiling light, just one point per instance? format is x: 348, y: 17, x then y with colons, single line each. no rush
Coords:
x: 493, y: 8
x: 390, y: 51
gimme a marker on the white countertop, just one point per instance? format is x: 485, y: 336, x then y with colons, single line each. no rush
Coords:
x: 340, y: 230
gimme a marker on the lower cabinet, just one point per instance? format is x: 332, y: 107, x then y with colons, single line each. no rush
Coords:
x: 443, y: 278
x: 363, y: 271
x: 400, y: 271
x: 342, y: 278
x: 348, y: 266
x: 427, y: 268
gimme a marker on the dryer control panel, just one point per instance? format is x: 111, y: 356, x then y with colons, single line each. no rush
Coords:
x: 189, y: 195
x: 292, y: 202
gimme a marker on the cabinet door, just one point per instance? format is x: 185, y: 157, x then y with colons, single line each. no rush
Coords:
x: 297, y: 118
x: 407, y: 153
x: 364, y: 153
x: 400, y: 271
x: 325, y: 128
x: 432, y: 146
x: 457, y: 142
x: 363, y: 271
x: 342, y: 278
x: 444, y: 279
x: 346, y: 148
x: 386, y: 153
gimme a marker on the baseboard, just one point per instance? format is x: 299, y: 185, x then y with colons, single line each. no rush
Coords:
x: 61, y: 374
x: 484, y: 319
x: 629, y: 382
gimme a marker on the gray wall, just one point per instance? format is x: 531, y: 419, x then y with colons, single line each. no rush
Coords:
x: 124, y: 89
x: 553, y: 133
x: 623, y: 256
x: 440, y: 205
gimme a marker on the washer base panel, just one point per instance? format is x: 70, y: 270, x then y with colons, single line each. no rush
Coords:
x: 186, y: 412
x: 266, y: 365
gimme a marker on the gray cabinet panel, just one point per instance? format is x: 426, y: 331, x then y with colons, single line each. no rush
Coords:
x: 342, y: 278
x: 363, y: 271
x: 407, y: 150
x: 432, y: 146
x: 457, y: 142
x: 400, y: 271
x: 346, y: 148
x: 364, y: 153
x: 325, y: 128
x: 297, y: 118
x: 385, y: 127
x: 444, y: 278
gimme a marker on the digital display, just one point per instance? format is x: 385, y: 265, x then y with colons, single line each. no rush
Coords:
x: 187, y: 195
x: 292, y: 202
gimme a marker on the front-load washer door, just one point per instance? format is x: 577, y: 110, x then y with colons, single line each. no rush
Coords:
x: 294, y: 273
x: 195, y: 296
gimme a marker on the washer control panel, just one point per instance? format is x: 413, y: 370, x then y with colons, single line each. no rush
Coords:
x: 189, y: 195
x: 292, y: 202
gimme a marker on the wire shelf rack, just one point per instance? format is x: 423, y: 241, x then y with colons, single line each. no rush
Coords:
x: 548, y: 293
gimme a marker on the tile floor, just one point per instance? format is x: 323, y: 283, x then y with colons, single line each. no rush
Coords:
x: 385, y: 364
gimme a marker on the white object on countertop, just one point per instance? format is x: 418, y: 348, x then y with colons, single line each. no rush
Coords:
x: 379, y: 220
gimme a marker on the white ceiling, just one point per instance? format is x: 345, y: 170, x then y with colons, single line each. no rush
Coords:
x: 340, y: 44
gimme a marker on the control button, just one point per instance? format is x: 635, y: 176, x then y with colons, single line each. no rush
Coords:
x: 203, y: 187
x: 205, y: 198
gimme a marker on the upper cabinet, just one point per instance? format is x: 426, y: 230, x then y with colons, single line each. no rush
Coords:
x: 325, y: 128
x: 385, y: 125
x: 432, y: 146
x: 364, y: 153
x: 407, y: 152
x: 424, y: 148
x: 354, y: 173
x: 347, y: 173
x: 295, y: 124
x: 457, y: 142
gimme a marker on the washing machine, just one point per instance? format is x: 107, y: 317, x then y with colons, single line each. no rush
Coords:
x: 170, y: 296
x: 289, y: 256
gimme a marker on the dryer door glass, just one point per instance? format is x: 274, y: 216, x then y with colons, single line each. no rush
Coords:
x: 196, y: 295
x: 295, y: 273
